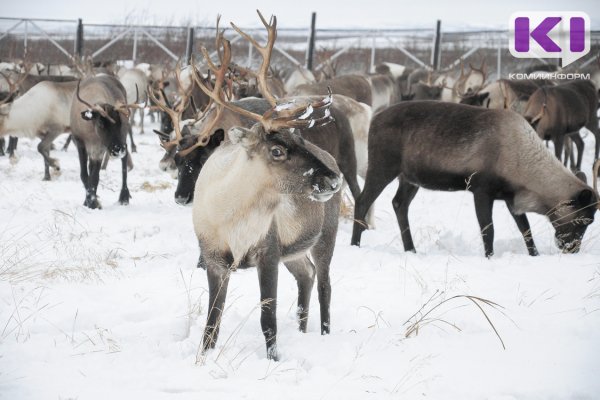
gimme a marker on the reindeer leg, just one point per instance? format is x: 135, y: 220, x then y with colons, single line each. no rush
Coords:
x: 568, y: 153
x: 12, y: 146
x: 304, y: 272
x: 44, y: 149
x: 593, y: 127
x: 2, y: 145
x: 268, y: 260
x: 576, y: 138
x: 133, y: 146
x: 67, y: 143
x: 124, y: 196
x: 483, y: 208
x: 558, y: 146
x: 404, y: 196
x: 91, y: 199
x: 141, y: 120
x: 322, y: 253
x: 375, y: 182
x: 83, y: 160
x: 525, y: 229
x: 218, y: 279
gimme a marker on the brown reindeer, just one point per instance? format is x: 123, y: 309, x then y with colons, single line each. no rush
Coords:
x: 99, y: 125
x: 495, y: 154
x: 558, y: 112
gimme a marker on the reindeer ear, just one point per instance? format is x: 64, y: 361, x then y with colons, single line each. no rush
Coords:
x: 89, y: 115
x: 217, y: 137
x: 243, y: 136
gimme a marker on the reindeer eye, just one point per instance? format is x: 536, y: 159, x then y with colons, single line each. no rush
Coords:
x: 278, y: 152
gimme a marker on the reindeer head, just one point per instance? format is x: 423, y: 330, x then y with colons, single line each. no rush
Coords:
x: 111, y: 122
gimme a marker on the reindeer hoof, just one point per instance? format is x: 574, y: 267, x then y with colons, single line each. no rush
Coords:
x: 124, y: 197
x: 272, y: 353
x: 92, y: 202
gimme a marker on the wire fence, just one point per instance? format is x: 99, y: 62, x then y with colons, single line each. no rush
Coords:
x: 51, y: 41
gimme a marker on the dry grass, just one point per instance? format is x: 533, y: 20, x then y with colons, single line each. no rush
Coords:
x: 424, y: 316
x: 153, y: 187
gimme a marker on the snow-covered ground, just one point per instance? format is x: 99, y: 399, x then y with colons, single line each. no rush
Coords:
x: 108, y: 304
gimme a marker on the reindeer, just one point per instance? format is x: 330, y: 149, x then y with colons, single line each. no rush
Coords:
x: 495, y: 154
x: 266, y: 196
x: 296, y: 76
x: 189, y: 156
x: 99, y: 124
x: 506, y: 94
x: 558, y: 112
x: 42, y: 112
x: 466, y: 84
x: 25, y: 82
x: 191, y: 100
x: 135, y: 83
x: 356, y: 87
x: 383, y: 91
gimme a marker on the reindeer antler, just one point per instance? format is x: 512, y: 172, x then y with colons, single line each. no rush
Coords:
x: 285, y: 115
x: 124, y: 108
x: 13, y: 87
x: 482, y: 70
x: 94, y: 107
x: 266, y: 52
x: 160, y: 100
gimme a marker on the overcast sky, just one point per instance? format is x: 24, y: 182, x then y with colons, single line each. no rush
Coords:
x: 330, y: 13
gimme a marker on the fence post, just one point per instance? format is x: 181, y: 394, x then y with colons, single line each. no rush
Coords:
x: 435, y: 55
x: 189, y: 46
x: 25, y: 39
x: 135, y: 40
x: 373, y: 45
x: 499, y: 63
x: 311, y: 43
x: 79, y: 40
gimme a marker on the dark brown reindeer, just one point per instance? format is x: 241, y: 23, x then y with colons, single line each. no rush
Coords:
x: 495, y: 154
x: 558, y: 112
x: 99, y: 125
x: 266, y: 196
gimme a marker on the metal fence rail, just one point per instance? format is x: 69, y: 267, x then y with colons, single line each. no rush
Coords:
x: 51, y: 41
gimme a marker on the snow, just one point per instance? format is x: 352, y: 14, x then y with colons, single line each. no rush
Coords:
x: 109, y: 304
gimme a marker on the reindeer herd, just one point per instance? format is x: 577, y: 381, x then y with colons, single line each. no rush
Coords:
x: 263, y: 159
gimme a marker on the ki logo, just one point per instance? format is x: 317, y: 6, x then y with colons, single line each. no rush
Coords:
x: 550, y: 34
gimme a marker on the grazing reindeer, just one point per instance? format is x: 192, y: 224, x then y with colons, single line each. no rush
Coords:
x: 266, y: 196
x: 558, y: 112
x: 494, y: 154
x: 99, y: 125
x: 43, y: 112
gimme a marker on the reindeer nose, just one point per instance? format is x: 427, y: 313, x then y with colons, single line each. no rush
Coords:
x: 182, y: 200
x: 334, y: 183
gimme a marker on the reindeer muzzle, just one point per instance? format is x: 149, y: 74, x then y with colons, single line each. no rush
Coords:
x: 325, y: 187
x: 117, y: 151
